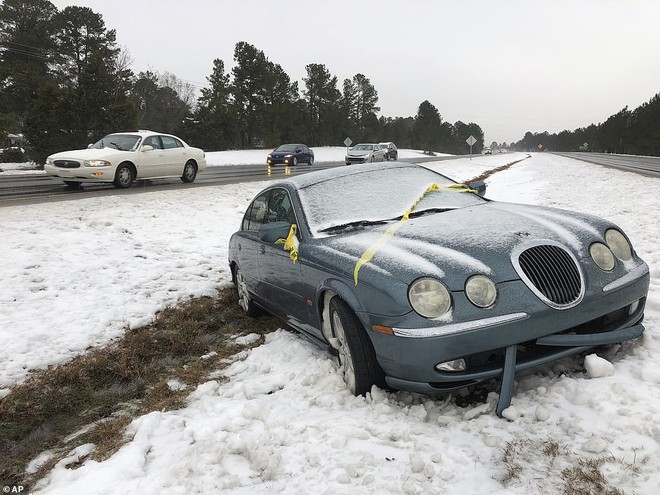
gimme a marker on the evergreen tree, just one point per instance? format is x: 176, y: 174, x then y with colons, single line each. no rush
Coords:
x: 427, y: 129
x: 26, y: 55
x: 322, y: 98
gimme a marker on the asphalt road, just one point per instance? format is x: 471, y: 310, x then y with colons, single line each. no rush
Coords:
x: 23, y: 189
x: 645, y: 165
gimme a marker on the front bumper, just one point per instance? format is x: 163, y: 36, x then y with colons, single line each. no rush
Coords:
x: 525, y: 334
x: 82, y: 174
x: 350, y: 160
x: 280, y: 161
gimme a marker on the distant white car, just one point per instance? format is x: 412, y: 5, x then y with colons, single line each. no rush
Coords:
x: 487, y: 151
x: 365, y: 153
x: 125, y: 157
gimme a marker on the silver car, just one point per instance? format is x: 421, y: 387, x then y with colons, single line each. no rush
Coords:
x: 365, y: 153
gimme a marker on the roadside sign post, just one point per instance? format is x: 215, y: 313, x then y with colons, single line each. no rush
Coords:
x: 471, y: 140
x: 347, y: 142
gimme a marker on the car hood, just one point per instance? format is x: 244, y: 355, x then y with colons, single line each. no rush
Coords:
x: 455, y: 244
x: 87, y: 154
x: 359, y: 152
x: 281, y: 154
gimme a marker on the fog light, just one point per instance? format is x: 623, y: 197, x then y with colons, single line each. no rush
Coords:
x: 97, y: 174
x: 633, y: 307
x: 455, y: 365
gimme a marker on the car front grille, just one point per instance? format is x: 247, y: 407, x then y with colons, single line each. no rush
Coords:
x: 552, y: 273
x: 66, y: 164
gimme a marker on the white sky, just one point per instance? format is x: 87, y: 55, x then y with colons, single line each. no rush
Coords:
x: 285, y: 422
x: 510, y: 66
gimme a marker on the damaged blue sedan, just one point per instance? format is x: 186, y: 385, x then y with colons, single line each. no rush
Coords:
x: 417, y: 283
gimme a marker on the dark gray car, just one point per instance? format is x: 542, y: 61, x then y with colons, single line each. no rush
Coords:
x: 421, y: 284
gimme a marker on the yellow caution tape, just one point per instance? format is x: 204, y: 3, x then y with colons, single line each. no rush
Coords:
x: 375, y: 247
x: 290, y: 243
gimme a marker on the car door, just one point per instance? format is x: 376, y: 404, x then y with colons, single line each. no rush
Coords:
x: 248, y: 243
x: 151, y: 161
x: 175, y: 155
x: 281, y: 281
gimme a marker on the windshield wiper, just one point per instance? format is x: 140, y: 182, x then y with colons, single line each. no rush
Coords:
x: 428, y: 210
x: 357, y: 223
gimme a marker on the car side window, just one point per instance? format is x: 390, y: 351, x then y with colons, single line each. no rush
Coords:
x: 154, y: 142
x: 255, y: 216
x: 272, y: 206
x: 280, y: 208
x: 170, y: 142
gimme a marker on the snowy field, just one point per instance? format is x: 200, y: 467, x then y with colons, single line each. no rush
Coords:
x: 82, y: 271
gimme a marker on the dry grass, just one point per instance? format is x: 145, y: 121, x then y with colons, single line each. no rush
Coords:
x: 525, y: 462
x: 95, y: 396
x: 488, y: 173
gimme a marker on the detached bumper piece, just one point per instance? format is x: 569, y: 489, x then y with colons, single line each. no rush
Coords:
x: 574, y: 343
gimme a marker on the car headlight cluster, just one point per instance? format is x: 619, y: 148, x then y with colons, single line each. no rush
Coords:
x: 481, y: 291
x: 617, y: 245
x: 431, y: 299
x: 96, y: 163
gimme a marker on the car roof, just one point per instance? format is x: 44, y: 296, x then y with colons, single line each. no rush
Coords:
x: 311, y: 178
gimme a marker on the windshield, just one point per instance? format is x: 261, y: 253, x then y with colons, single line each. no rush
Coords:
x: 377, y: 195
x: 364, y: 147
x: 122, y: 142
x: 287, y: 147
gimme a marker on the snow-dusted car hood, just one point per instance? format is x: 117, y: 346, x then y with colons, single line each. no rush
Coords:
x: 458, y: 243
x: 89, y: 154
x: 359, y: 152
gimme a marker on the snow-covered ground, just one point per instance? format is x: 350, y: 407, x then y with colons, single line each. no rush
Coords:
x: 77, y: 273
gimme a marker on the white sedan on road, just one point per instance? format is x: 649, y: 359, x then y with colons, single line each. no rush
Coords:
x: 125, y: 157
x: 365, y: 153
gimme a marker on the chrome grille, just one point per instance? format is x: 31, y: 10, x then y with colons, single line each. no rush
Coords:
x: 66, y: 164
x: 553, y: 273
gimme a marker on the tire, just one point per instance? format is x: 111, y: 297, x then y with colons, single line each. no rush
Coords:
x: 294, y: 162
x: 73, y: 184
x: 189, y: 172
x: 357, y: 358
x: 372, y: 159
x: 124, y: 176
x: 311, y: 161
x: 244, y: 299
x: 394, y: 157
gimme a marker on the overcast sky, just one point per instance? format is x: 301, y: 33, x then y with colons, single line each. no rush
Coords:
x: 510, y: 66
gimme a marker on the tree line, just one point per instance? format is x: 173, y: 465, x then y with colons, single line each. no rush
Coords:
x: 65, y: 83
x: 632, y: 132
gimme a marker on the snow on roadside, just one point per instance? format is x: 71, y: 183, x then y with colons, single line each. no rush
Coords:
x: 285, y: 423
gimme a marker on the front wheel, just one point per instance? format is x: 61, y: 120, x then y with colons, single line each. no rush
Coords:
x: 357, y: 358
x: 124, y: 176
x: 311, y: 160
x: 294, y: 162
x: 189, y: 172
x: 244, y: 299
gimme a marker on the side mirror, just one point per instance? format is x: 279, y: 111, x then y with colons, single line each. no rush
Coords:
x: 90, y: 145
x: 479, y: 186
x: 147, y: 147
x: 271, y: 232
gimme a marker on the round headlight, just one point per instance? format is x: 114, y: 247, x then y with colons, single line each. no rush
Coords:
x: 481, y: 291
x: 618, y: 244
x: 429, y: 297
x: 602, y: 255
